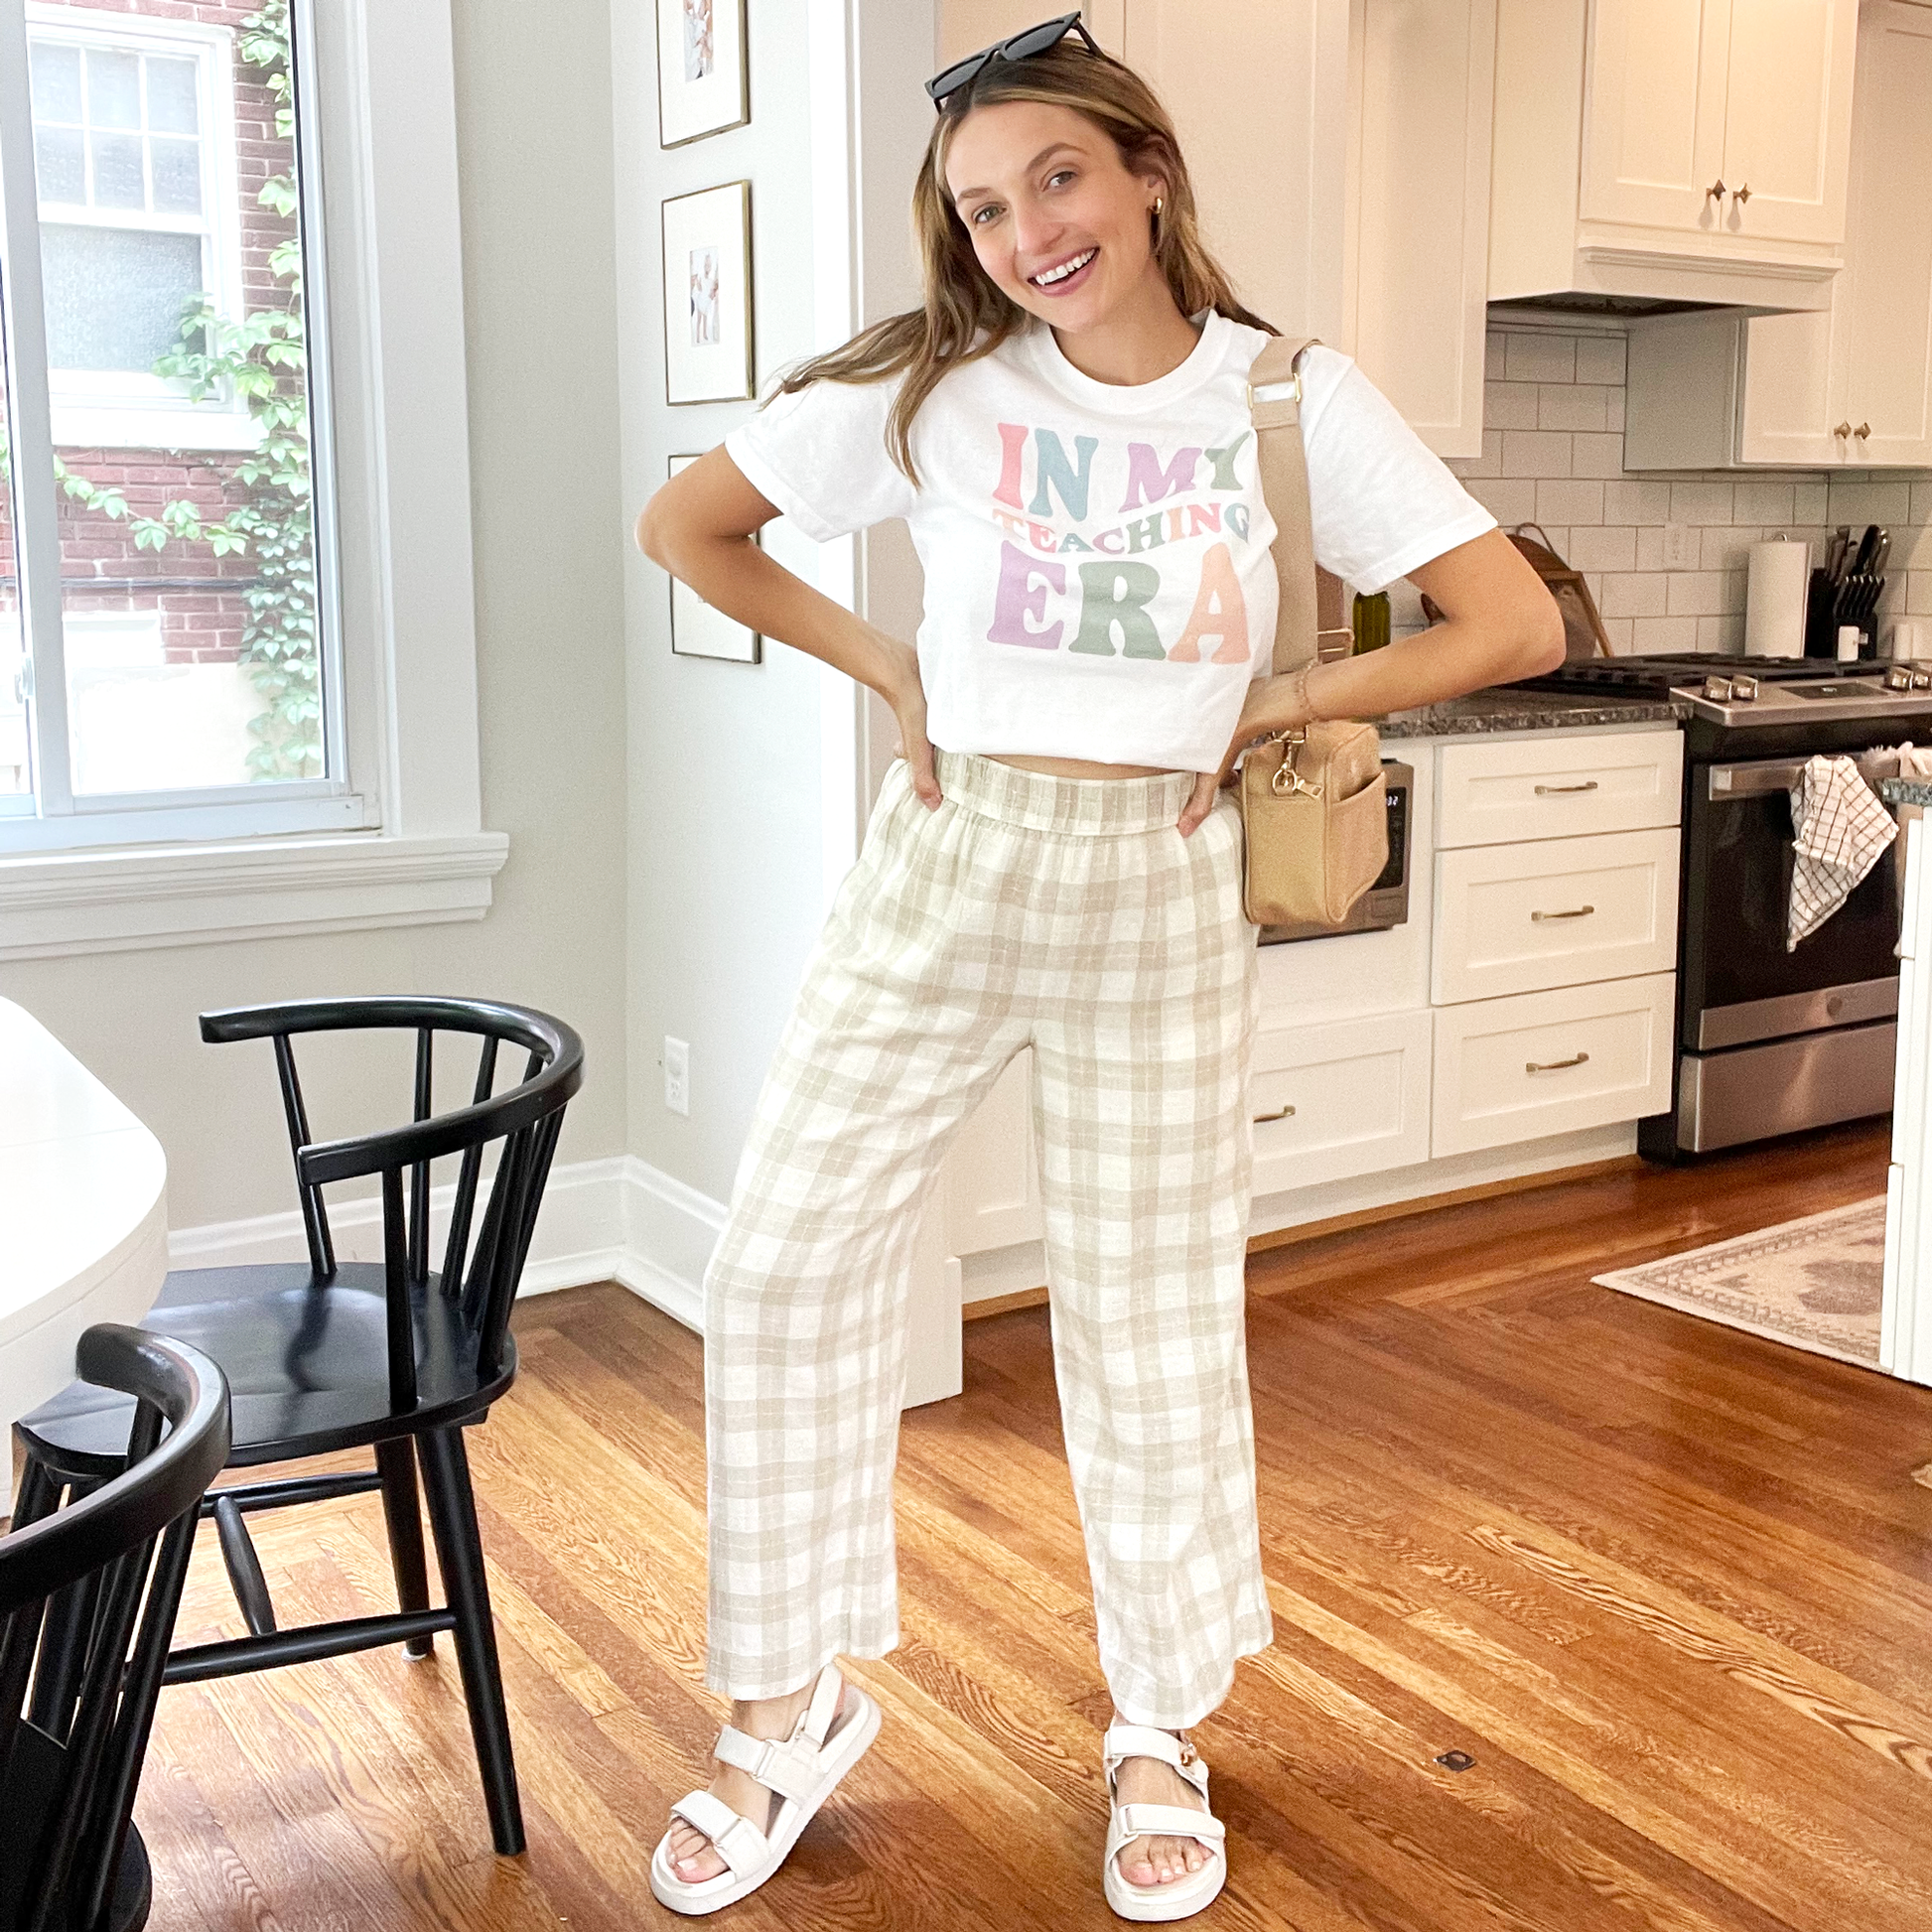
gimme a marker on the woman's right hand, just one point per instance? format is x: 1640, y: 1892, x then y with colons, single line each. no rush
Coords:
x: 900, y: 686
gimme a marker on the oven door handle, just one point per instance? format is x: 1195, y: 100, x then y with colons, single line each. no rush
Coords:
x: 1780, y: 775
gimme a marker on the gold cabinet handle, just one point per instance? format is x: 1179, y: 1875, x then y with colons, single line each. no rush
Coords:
x: 1863, y: 429
x: 1844, y: 428
x: 1582, y: 912
x: 1717, y: 188
x: 1745, y: 193
x: 1544, y: 791
x: 1279, y: 1113
x: 1552, y: 1067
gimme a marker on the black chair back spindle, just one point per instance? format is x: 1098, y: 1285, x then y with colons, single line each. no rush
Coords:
x: 100, y: 1578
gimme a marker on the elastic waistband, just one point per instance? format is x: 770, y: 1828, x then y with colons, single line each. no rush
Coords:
x: 1105, y: 808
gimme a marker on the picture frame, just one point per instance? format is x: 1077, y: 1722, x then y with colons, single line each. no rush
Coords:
x: 702, y: 72
x: 707, y: 240
x: 698, y: 631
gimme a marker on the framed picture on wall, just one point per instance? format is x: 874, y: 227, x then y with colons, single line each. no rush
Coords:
x: 708, y: 295
x: 702, y: 73
x: 697, y: 630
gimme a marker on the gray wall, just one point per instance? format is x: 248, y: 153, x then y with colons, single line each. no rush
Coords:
x: 534, y: 133
x: 725, y: 802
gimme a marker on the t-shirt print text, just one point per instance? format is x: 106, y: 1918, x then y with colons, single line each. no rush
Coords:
x: 1089, y: 572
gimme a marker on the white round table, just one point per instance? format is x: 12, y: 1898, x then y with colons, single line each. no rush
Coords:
x: 83, y: 1218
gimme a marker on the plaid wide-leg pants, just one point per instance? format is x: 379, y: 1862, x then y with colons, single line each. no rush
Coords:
x: 1069, y: 914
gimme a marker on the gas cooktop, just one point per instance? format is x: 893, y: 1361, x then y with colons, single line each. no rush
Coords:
x: 1730, y: 690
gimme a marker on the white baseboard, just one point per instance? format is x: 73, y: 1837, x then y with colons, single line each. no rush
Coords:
x: 616, y: 1220
x: 620, y: 1219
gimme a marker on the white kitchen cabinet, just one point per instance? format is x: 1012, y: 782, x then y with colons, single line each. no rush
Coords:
x: 1542, y: 1063
x: 1852, y: 384
x: 1335, y: 1101
x: 1507, y: 789
x: 990, y: 1180
x: 1905, y: 1332
x: 1522, y: 918
x: 1684, y: 149
x: 1683, y: 96
x: 1421, y: 101
x: 1258, y: 92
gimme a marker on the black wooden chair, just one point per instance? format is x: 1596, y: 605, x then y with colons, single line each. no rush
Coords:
x: 323, y: 1355
x: 88, y: 1601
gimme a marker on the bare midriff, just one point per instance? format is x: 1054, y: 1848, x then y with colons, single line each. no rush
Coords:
x: 1081, y: 768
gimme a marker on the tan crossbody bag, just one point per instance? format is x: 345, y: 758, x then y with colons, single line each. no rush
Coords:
x: 1312, y: 798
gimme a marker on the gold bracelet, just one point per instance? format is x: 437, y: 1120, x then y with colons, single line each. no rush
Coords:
x: 1303, y: 702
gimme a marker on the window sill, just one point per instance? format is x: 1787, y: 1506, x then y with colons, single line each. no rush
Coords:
x: 173, y: 896
x: 111, y: 426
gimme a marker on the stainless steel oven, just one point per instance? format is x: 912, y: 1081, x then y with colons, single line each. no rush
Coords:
x: 1386, y: 902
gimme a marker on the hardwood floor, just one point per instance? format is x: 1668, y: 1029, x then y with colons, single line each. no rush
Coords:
x: 1668, y: 1584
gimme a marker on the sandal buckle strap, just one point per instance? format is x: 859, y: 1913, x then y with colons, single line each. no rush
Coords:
x: 734, y: 1839
x: 786, y: 1766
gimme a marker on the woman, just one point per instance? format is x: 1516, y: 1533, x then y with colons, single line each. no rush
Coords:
x: 1053, y: 862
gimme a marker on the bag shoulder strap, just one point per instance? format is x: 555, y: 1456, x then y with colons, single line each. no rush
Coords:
x: 1310, y: 603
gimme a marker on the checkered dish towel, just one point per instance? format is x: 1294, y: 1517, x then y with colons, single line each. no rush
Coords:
x: 1840, y: 829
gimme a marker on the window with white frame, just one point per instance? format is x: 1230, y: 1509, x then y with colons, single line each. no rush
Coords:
x: 171, y: 619
x: 350, y: 640
x: 136, y: 152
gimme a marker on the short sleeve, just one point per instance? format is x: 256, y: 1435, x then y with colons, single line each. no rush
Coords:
x: 1382, y: 501
x: 819, y: 453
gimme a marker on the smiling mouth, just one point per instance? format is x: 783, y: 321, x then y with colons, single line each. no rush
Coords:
x: 1053, y: 278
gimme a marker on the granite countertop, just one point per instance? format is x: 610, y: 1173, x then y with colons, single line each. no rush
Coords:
x: 1905, y: 792
x: 1504, y: 708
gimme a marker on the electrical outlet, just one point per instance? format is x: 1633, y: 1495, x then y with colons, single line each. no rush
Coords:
x: 1680, y: 546
x: 677, y: 1075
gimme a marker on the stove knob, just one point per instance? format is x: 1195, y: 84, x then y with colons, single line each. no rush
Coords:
x: 1899, y: 678
x: 1922, y: 680
x: 1744, y: 689
x: 1718, y: 689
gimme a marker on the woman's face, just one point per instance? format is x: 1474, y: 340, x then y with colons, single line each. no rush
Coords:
x: 1057, y: 220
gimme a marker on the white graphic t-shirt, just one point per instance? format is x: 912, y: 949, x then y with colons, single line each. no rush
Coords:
x: 1097, y: 577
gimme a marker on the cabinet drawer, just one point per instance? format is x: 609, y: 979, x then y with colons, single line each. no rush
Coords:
x: 1360, y: 1094
x: 1558, y: 787
x: 1540, y: 1063
x: 1519, y: 918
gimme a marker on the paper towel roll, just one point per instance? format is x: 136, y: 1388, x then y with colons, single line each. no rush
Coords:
x: 1774, y: 599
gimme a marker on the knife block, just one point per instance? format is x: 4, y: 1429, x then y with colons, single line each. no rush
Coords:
x: 1821, y: 636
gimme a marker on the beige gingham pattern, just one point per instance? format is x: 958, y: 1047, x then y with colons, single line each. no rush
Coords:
x: 1071, y: 915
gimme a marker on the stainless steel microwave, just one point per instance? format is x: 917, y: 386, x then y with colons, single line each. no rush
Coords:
x: 1386, y: 902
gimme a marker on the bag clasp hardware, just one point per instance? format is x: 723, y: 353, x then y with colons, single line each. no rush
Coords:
x: 1287, y: 780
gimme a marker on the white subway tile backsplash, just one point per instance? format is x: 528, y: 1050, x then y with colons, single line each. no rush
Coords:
x: 1509, y: 499
x: 1633, y: 593
x: 1531, y: 356
x: 1602, y: 547
x: 1636, y: 502
x: 1859, y: 504
x: 1701, y: 503
x: 1562, y: 500
x: 1596, y: 455
x: 1509, y: 405
x: 1535, y: 453
x: 1658, y: 635
x: 1600, y: 359
x: 1694, y: 593
x: 1762, y: 502
x: 1553, y: 454
x: 1569, y: 405
x: 1725, y: 546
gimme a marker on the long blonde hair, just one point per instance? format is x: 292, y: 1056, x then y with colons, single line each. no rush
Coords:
x: 966, y: 315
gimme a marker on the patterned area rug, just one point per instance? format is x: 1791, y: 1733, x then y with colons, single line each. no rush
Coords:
x: 1817, y: 1284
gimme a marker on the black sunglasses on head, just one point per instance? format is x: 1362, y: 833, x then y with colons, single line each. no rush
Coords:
x: 1020, y: 47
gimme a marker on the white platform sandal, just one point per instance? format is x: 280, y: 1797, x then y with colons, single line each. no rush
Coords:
x: 1182, y: 1896
x: 801, y: 1769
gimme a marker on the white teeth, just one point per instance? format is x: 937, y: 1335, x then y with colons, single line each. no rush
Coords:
x: 1066, y: 269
